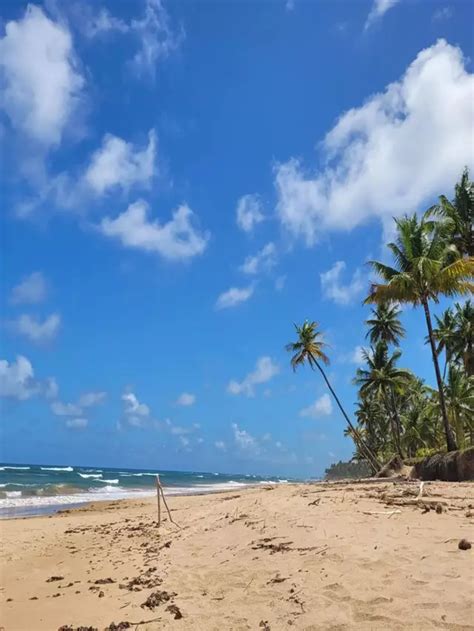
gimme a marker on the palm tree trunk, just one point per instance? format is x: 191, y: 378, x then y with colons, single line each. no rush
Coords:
x: 450, y: 440
x: 371, y: 457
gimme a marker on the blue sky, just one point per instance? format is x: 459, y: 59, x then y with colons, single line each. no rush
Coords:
x: 183, y: 181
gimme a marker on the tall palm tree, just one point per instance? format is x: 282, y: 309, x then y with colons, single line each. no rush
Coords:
x: 383, y: 379
x: 385, y: 325
x: 309, y: 348
x: 464, y: 336
x: 459, y: 391
x: 445, y: 334
x: 459, y: 214
x: 426, y: 265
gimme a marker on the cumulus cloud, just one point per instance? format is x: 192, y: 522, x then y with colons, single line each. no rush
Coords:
x: 41, y: 85
x: 321, y: 407
x: 334, y: 289
x: 51, y: 388
x: 443, y: 13
x: 233, y: 297
x: 220, y: 444
x: 262, y: 261
x: 31, y: 290
x: 17, y: 379
x: 249, y: 212
x: 36, y: 330
x: 265, y: 370
x: 186, y: 399
x: 133, y: 407
x: 77, y: 423
x: 383, y: 158
x: 118, y: 164
x: 178, y: 239
x: 378, y: 10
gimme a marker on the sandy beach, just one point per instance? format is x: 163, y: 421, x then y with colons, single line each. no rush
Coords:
x: 322, y: 556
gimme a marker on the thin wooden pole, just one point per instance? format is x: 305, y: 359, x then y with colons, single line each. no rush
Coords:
x: 166, y: 504
x: 158, y: 487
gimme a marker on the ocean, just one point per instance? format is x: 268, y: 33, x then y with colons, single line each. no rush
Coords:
x: 27, y: 490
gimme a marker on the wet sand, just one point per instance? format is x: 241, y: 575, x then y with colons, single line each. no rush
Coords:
x: 324, y: 556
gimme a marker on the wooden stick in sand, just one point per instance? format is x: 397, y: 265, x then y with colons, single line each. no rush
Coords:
x: 159, y: 490
x: 158, y: 485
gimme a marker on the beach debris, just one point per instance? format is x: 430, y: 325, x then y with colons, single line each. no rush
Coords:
x: 156, y: 599
x: 464, y: 544
x: 51, y: 579
x: 161, y: 494
x: 104, y: 581
x: 265, y: 544
x: 315, y: 502
x: 377, y: 512
x: 439, y: 508
x: 67, y: 627
x: 101, y: 594
x: 175, y: 611
x: 264, y: 625
x: 121, y: 626
x: 420, y: 492
x: 277, y: 579
x: 145, y: 580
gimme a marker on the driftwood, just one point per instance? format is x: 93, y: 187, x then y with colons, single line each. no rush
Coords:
x: 161, y: 494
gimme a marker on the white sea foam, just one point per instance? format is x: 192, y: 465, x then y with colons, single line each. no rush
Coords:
x: 16, y: 468
x: 109, y: 481
x: 137, y: 475
x: 11, y: 494
x: 90, y: 475
x: 57, y: 469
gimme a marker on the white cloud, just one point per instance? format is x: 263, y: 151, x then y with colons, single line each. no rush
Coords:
x: 17, y: 379
x: 35, y: 330
x: 262, y: 261
x: 77, y: 423
x: 118, y: 164
x: 184, y: 442
x: 90, y: 399
x: 185, y: 399
x: 444, y: 13
x: 31, y: 290
x: 133, y: 407
x: 51, y: 388
x: 65, y: 409
x: 321, y: 407
x: 153, y: 31
x: 175, y: 240
x: 233, y: 297
x: 335, y: 290
x: 41, y: 84
x: 244, y: 440
x: 265, y: 369
x: 378, y: 10
x: 220, y: 444
x: 384, y: 158
x: 249, y: 212
x: 357, y: 356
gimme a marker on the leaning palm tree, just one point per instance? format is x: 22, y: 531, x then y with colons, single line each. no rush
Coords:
x: 309, y: 348
x: 426, y: 266
x: 459, y: 214
x: 385, y: 325
x: 382, y: 378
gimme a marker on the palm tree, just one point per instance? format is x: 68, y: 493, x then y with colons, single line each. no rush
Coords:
x: 385, y: 325
x: 425, y: 267
x: 309, y: 348
x: 464, y: 335
x: 382, y: 379
x: 459, y: 214
x: 459, y: 392
x: 445, y: 334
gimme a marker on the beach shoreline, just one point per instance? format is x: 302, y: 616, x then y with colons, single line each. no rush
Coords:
x: 360, y: 555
